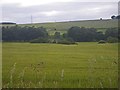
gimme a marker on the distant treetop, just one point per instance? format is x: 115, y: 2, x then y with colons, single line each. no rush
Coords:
x: 115, y: 17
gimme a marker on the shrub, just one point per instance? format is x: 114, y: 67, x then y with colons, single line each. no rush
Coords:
x: 66, y: 41
x: 40, y: 40
x: 101, y: 42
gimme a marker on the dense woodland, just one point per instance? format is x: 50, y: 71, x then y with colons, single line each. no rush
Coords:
x: 74, y: 34
x: 17, y: 33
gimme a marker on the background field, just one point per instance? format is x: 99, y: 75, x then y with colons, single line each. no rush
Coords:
x: 100, y: 25
x: 60, y: 66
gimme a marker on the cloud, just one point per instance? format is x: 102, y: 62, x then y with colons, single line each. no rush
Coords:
x: 59, y: 11
x: 26, y: 3
x: 51, y: 13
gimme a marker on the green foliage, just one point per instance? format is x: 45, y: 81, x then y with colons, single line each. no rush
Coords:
x: 99, y: 36
x: 84, y: 34
x: 90, y: 34
x: 17, y: 33
x: 113, y: 32
x: 40, y: 40
x: 102, y: 42
x: 67, y: 41
x: 115, y: 17
x: 77, y: 34
x: 61, y: 39
x: 112, y: 40
x: 57, y: 35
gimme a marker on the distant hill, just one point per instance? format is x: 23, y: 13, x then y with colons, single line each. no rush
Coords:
x: 52, y: 27
x: 86, y: 23
x: 7, y: 23
x: 100, y: 25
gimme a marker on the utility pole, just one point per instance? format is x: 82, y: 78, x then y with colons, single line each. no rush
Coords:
x: 31, y: 19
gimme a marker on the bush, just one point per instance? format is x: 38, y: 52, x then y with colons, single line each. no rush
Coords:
x: 101, y: 42
x: 40, y: 40
x: 66, y: 41
x: 112, y: 40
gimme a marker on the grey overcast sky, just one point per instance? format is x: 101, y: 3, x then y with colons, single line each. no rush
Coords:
x: 20, y: 11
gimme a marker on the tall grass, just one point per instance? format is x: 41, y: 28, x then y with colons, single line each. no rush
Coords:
x: 11, y: 75
x: 86, y: 65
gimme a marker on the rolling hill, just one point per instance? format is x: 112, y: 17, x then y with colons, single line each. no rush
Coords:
x: 100, y: 25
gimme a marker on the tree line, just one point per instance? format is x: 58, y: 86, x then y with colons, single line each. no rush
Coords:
x: 115, y: 17
x: 74, y: 34
x: 91, y: 34
x: 17, y: 33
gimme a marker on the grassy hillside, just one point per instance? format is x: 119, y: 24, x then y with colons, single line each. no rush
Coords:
x: 86, y: 65
x: 100, y: 25
x: 87, y: 23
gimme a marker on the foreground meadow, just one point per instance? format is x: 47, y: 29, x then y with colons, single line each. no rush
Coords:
x: 86, y: 65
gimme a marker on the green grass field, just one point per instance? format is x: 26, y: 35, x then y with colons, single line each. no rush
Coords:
x: 86, y: 65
